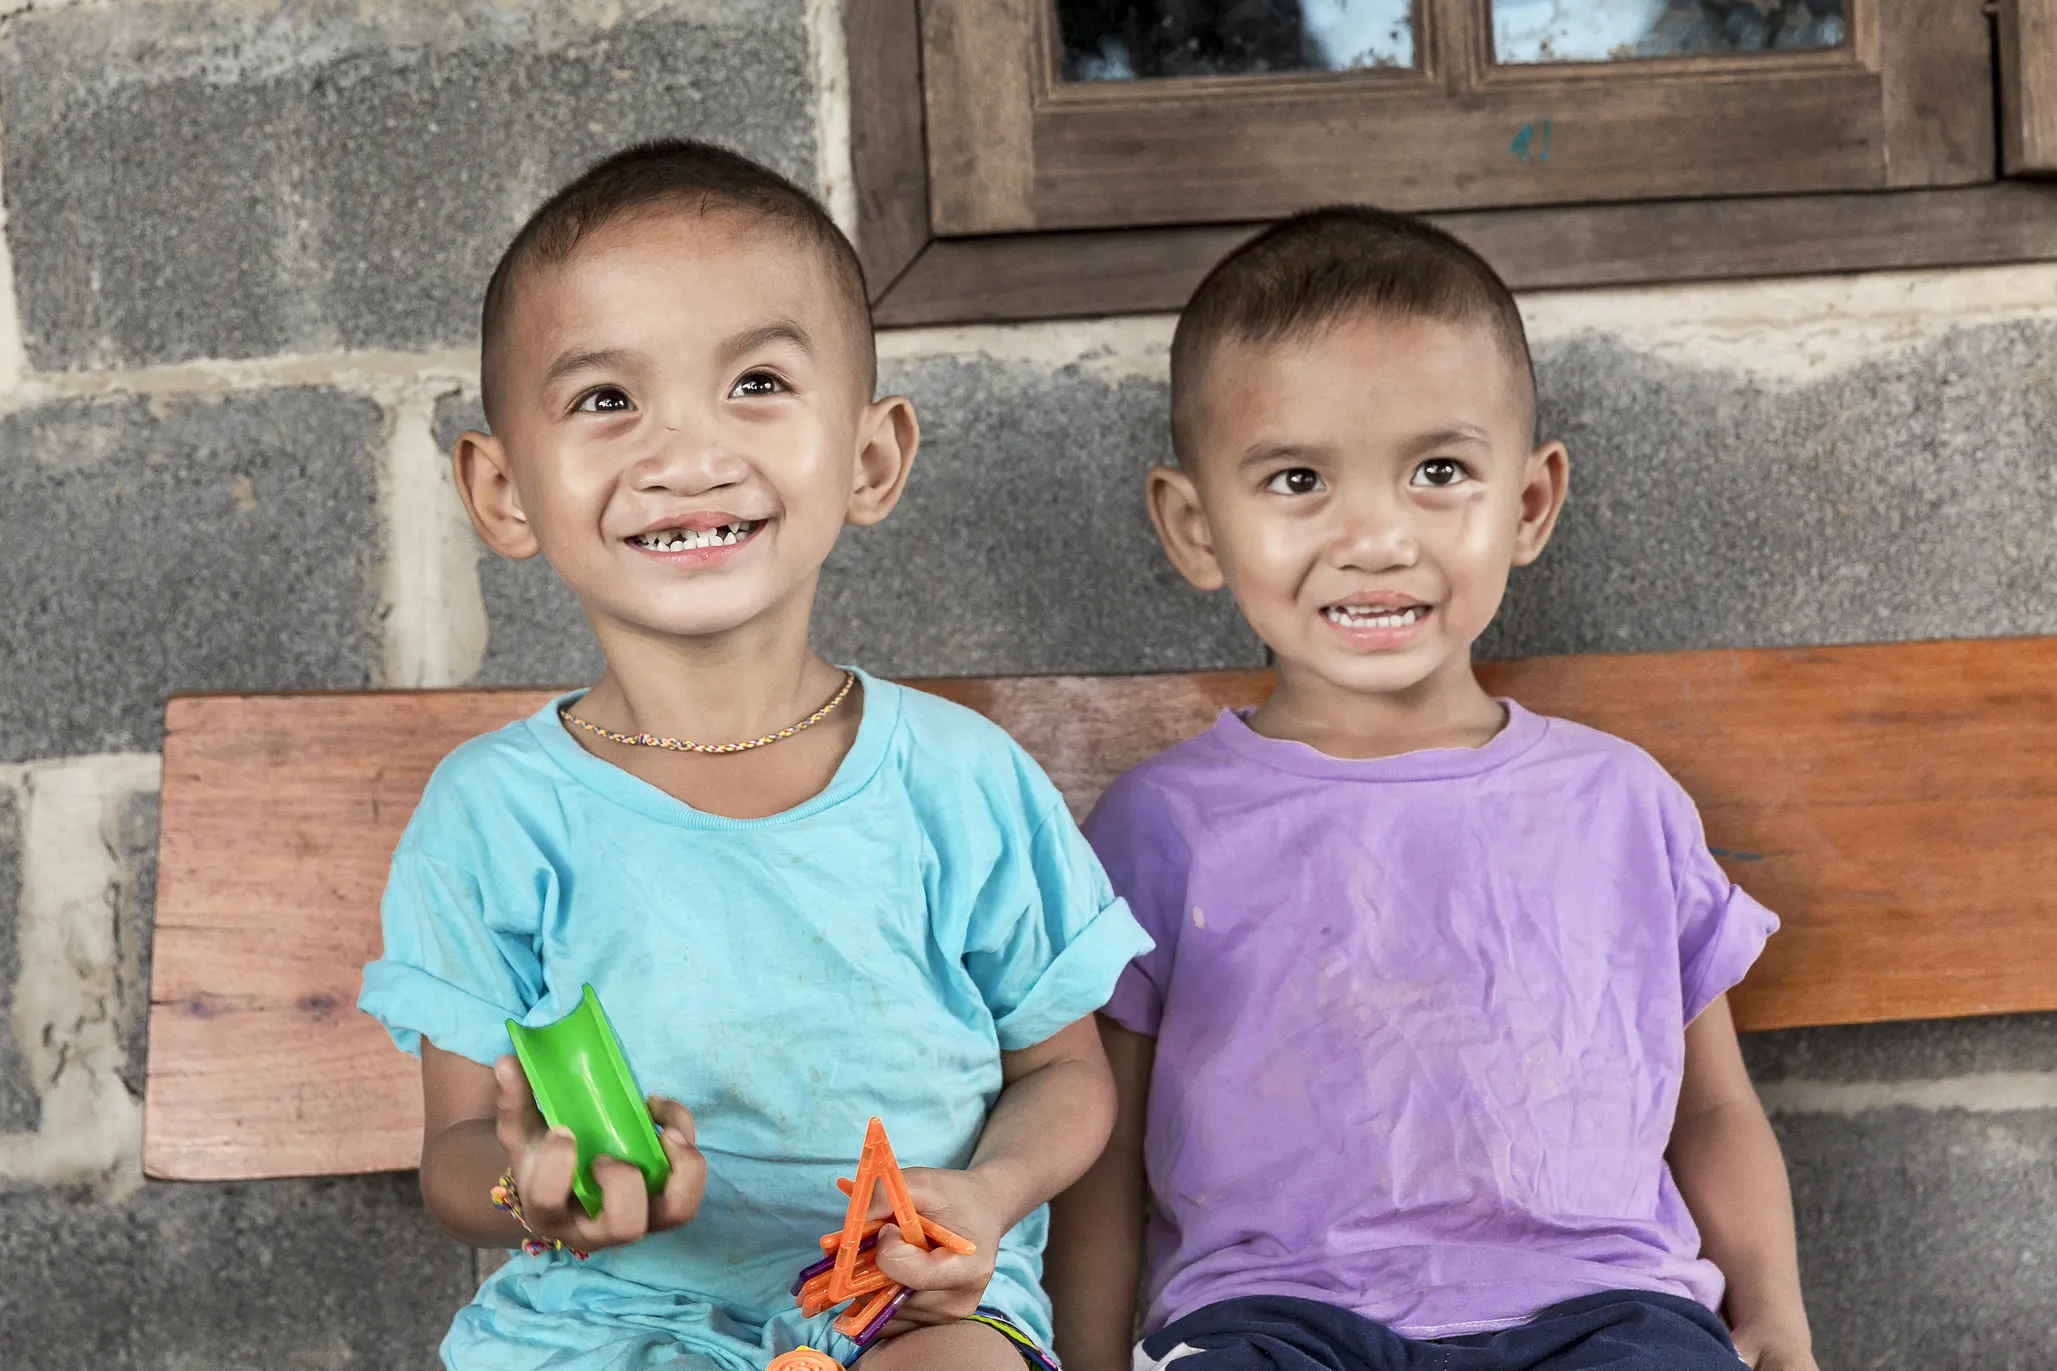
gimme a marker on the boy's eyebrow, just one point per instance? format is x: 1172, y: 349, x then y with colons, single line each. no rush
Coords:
x: 1466, y: 435
x: 591, y: 359
x: 1261, y: 453
x: 1456, y: 434
x: 777, y: 331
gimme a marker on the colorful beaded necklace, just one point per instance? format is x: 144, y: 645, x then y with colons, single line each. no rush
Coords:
x: 682, y: 745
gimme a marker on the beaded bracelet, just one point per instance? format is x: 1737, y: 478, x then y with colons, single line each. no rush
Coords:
x: 507, y: 1199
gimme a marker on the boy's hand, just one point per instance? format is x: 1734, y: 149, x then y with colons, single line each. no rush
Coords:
x: 1772, y: 1352
x: 545, y: 1160
x: 947, y: 1287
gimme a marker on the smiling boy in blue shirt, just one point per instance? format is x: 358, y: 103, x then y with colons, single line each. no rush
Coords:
x: 805, y: 895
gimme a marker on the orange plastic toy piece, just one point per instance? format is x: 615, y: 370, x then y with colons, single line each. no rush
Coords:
x: 859, y: 1315
x: 896, y: 1187
x: 805, y: 1359
x: 852, y: 1239
x: 849, y: 1270
x: 870, y: 1230
x: 937, y: 1234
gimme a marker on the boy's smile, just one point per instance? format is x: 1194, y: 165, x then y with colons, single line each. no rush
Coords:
x: 697, y: 539
x: 1363, y: 492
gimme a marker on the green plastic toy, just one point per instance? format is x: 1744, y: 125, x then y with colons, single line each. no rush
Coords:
x: 582, y: 1081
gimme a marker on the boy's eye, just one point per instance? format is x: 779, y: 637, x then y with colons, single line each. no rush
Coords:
x: 1439, y: 471
x: 1295, y: 481
x: 756, y: 385
x: 604, y: 400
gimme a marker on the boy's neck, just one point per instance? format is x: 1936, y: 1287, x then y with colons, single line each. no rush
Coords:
x: 756, y: 679
x: 1447, y: 709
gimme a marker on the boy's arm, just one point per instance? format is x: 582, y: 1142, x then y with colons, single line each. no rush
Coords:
x: 1732, y: 1176
x: 1095, y: 1258
x: 461, y: 1157
x: 1055, y: 1108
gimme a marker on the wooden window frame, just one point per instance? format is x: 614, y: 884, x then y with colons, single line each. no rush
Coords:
x: 1875, y: 213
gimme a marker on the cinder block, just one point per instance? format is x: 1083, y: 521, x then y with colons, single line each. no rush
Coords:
x: 322, y: 1275
x: 20, y: 1105
x: 1925, y: 1238
x: 192, y: 179
x: 1904, y: 498
x: 1021, y: 545
x: 1926, y: 1050
x: 202, y: 544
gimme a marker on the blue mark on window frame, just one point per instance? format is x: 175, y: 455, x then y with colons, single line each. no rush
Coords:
x: 1531, y: 145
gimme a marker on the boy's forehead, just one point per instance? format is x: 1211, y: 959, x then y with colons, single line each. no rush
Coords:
x: 1369, y: 373
x: 675, y: 275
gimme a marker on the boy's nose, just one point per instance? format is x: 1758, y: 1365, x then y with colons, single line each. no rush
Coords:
x: 1373, y: 535
x: 687, y: 459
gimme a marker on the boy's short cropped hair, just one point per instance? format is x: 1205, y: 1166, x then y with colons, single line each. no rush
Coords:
x: 1305, y: 273
x: 695, y: 177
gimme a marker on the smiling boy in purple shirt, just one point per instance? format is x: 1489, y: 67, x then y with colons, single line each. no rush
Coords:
x: 1432, y: 1065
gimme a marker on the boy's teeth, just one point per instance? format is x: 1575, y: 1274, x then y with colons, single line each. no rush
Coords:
x: 690, y: 540
x: 1350, y: 616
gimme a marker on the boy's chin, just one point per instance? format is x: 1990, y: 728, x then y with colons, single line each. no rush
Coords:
x: 1381, y: 673
x: 700, y: 621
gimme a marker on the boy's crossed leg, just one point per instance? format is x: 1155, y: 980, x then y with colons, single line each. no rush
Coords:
x: 1616, y: 1331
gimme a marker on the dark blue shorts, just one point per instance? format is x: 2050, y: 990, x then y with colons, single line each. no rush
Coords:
x: 1628, y: 1330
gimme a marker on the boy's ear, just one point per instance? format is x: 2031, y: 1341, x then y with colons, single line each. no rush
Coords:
x: 1548, y: 481
x: 886, y: 442
x: 479, y: 463
x: 1182, y: 526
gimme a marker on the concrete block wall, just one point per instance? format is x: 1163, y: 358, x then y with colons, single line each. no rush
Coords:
x: 243, y: 244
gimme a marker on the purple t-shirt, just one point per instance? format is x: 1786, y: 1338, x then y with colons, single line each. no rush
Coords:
x: 1420, y: 1020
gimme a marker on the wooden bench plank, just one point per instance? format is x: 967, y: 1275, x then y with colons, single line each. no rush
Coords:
x: 1896, y: 804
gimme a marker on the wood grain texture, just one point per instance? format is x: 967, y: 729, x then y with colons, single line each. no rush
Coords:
x: 1896, y: 804
x: 1936, y: 65
x: 279, y: 815
x: 1056, y: 275
x: 1230, y: 153
x: 2028, y: 86
x: 888, y: 158
x: 1059, y: 275
x: 979, y: 77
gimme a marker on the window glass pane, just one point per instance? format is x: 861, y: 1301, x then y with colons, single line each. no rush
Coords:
x: 1123, y: 40
x: 1623, y: 30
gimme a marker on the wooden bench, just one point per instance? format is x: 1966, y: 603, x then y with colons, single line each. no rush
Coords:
x: 1897, y: 805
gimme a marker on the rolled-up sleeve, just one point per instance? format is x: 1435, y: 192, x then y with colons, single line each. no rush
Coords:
x: 1721, y: 928
x: 448, y: 974
x: 1047, y: 935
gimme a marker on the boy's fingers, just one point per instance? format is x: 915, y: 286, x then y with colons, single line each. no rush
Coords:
x: 674, y: 1118
x: 679, y: 1201
x: 517, y: 1121
x: 930, y: 1270
x: 624, y: 1200
x: 546, y: 1181
x: 931, y: 1191
x: 932, y: 1307
x: 513, y: 1083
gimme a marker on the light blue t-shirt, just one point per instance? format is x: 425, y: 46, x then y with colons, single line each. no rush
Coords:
x: 872, y: 951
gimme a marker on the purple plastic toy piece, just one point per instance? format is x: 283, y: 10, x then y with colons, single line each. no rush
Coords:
x: 878, y: 1325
